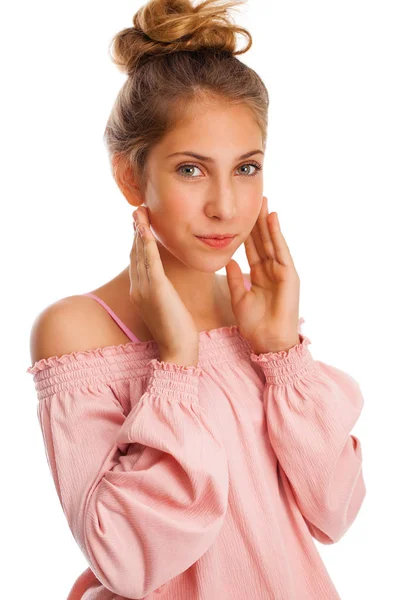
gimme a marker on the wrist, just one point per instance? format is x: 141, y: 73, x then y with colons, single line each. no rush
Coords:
x: 285, y: 366
x: 180, y: 360
x: 277, y: 346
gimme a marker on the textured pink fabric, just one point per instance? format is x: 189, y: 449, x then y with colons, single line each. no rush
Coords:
x: 207, y: 482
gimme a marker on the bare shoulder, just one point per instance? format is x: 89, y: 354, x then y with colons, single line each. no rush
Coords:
x: 72, y: 324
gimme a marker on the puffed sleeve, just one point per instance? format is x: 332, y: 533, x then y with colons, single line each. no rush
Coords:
x: 145, y: 495
x: 311, y: 408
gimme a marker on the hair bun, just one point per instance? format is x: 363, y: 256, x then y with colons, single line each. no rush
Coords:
x: 166, y: 26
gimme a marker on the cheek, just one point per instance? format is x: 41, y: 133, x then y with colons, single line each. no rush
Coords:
x: 178, y: 209
x: 254, y: 207
x: 172, y: 218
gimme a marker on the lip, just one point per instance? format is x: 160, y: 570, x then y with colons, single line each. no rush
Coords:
x: 217, y: 236
x: 216, y: 242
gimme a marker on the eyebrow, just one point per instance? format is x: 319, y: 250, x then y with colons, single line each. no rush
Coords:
x: 209, y: 159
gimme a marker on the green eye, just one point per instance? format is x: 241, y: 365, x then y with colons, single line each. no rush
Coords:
x: 256, y: 165
x: 187, y: 167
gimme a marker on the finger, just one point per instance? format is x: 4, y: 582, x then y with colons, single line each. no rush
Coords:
x: 263, y: 250
x: 252, y: 254
x: 151, y: 256
x: 140, y: 267
x: 142, y: 220
x: 235, y: 279
x: 281, y: 248
x: 262, y: 232
x: 133, y: 275
x: 257, y: 241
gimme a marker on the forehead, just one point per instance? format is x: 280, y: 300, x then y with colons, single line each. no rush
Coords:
x: 210, y: 128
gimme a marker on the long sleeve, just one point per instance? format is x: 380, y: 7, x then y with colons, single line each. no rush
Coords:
x: 311, y: 408
x: 145, y: 495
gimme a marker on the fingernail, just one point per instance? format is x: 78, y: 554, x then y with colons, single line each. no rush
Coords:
x: 140, y: 229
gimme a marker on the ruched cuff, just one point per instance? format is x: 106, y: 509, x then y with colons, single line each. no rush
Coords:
x: 179, y: 382
x: 286, y: 365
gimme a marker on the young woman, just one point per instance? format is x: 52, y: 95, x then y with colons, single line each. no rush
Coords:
x: 196, y: 446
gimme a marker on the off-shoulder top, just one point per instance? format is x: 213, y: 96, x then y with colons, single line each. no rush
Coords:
x: 202, y: 483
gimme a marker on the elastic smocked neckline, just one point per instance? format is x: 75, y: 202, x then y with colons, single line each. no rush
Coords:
x: 98, y: 368
x: 132, y: 347
x: 210, y: 341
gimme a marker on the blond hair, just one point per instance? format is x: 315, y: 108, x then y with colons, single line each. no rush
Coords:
x: 176, y: 54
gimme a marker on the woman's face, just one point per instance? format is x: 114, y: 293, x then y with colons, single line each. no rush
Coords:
x: 188, y: 197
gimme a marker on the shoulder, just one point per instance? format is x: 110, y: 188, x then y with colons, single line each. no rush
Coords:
x: 68, y: 325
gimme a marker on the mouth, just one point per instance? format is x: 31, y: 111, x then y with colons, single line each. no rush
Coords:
x: 217, y: 236
x: 217, y: 242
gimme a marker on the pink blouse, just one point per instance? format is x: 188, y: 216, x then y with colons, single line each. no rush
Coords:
x: 207, y: 482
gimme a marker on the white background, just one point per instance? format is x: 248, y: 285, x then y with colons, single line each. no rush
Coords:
x: 331, y: 172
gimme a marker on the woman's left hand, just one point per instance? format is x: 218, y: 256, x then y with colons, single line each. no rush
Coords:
x: 267, y: 315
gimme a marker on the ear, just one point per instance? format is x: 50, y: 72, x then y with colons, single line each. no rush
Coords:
x: 123, y: 175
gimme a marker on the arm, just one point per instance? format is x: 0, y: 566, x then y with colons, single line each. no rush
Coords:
x: 144, y: 494
x: 311, y: 407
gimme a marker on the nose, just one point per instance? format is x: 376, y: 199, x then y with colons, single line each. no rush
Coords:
x: 222, y: 200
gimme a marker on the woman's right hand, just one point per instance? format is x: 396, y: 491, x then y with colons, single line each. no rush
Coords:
x: 157, y: 301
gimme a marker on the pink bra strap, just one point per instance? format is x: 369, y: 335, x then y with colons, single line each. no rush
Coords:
x: 112, y: 314
x: 122, y: 325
